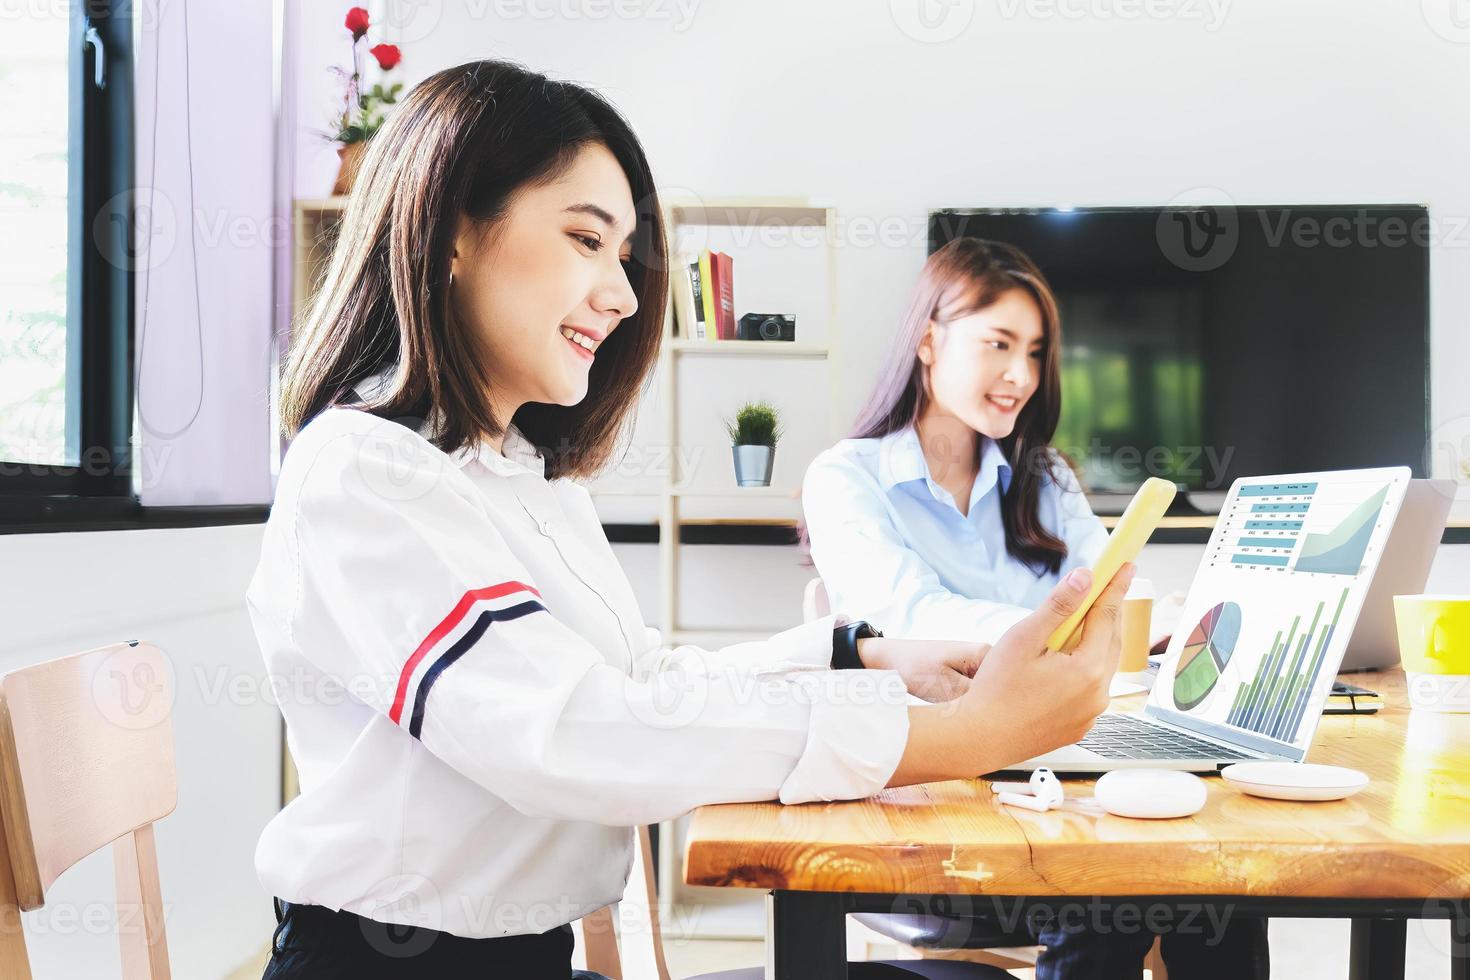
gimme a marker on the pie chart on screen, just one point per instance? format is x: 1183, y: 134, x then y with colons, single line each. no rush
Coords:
x: 1205, y: 655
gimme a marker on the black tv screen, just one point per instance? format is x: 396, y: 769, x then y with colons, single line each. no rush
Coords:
x: 1205, y: 344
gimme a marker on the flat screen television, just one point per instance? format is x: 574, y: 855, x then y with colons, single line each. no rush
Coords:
x: 1204, y: 344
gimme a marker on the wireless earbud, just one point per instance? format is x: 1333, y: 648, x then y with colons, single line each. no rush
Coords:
x: 1045, y: 792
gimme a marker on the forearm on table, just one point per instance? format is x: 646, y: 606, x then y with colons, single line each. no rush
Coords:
x: 944, y: 743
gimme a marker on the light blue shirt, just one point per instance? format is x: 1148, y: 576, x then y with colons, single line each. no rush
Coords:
x: 892, y: 547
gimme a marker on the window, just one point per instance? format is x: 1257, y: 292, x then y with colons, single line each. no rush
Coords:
x: 65, y: 284
x: 34, y: 162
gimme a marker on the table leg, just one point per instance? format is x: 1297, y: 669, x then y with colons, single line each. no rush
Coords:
x: 1460, y: 942
x: 1377, y: 950
x: 808, y: 936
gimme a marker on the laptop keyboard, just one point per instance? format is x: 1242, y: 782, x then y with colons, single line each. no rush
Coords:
x: 1125, y: 737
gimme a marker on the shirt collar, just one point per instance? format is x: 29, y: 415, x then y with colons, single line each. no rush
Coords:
x: 516, y: 454
x: 994, y: 469
x: 901, y: 460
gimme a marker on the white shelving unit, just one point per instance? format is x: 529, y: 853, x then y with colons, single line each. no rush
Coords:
x: 745, y: 213
x: 726, y: 913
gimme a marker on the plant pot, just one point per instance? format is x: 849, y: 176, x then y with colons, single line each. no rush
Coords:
x: 753, y: 465
x: 350, y: 155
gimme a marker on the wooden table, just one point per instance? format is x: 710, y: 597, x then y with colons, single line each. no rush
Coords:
x: 1398, y: 850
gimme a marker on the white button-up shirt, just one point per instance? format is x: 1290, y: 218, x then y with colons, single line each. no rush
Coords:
x: 477, y: 710
x: 892, y: 547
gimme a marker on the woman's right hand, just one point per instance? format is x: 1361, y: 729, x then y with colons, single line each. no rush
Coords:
x: 1024, y: 699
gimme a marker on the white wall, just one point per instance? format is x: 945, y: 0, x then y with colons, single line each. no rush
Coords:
x: 182, y: 589
x: 1032, y: 102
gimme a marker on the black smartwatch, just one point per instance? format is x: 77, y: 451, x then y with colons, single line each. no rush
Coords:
x: 844, y: 644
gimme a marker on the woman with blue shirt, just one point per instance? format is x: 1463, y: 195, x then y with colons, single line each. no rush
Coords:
x: 948, y: 514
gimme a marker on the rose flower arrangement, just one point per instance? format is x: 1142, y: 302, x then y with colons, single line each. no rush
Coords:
x: 363, y: 108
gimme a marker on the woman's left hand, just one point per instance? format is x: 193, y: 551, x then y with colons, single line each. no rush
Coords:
x: 935, y: 670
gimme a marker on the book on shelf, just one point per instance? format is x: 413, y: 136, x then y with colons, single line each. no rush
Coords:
x: 724, y: 295
x: 696, y: 295
x: 704, y: 296
x: 707, y: 294
x: 686, y: 298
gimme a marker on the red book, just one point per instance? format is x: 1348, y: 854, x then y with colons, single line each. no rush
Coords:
x: 724, y: 284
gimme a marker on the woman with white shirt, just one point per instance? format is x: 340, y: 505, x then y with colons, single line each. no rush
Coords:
x: 949, y: 514
x: 477, y: 711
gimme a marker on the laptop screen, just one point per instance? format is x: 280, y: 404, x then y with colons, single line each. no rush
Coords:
x: 1273, y: 604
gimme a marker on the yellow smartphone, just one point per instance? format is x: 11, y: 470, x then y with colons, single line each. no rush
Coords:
x: 1139, y: 519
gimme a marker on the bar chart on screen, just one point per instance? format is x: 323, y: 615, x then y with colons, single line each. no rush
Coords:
x: 1273, y: 702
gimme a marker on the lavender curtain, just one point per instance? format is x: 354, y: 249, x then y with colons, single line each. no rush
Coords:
x: 212, y: 232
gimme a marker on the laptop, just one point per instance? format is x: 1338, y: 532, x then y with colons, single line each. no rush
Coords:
x: 1264, y: 630
x: 1403, y: 570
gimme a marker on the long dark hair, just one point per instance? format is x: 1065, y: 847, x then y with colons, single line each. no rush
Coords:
x: 462, y: 142
x: 966, y: 275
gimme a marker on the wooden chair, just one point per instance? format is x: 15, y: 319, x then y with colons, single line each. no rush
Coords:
x: 86, y: 760
x: 814, y: 601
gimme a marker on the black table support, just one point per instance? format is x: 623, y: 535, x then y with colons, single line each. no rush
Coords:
x: 1377, y: 949
x: 809, y: 928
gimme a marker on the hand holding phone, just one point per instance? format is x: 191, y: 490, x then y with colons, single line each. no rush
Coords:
x: 1139, y: 519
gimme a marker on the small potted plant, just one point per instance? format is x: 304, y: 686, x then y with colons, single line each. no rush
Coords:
x: 363, y: 109
x: 753, y: 436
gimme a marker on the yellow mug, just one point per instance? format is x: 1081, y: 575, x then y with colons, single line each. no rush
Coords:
x: 1434, y: 644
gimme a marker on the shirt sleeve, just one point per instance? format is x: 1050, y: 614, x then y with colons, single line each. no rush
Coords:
x: 871, y: 573
x: 408, y: 594
x: 806, y: 646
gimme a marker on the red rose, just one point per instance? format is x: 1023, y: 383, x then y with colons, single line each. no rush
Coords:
x: 357, y: 22
x: 388, y: 55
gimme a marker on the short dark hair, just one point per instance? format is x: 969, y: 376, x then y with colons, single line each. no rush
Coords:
x: 463, y: 142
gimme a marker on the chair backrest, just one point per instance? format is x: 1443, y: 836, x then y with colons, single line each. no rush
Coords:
x: 87, y: 760
x: 814, y: 601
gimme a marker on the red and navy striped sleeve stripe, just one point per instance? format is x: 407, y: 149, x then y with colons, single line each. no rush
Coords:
x: 472, y: 615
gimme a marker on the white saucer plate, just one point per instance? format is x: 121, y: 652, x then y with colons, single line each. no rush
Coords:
x: 1294, y: 780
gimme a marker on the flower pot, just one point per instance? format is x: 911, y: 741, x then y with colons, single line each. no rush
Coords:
x: 350, y: 155
x: 753, y: 465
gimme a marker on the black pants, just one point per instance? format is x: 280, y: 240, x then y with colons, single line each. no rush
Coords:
x: 317, y: 943
x: 1237, y: 951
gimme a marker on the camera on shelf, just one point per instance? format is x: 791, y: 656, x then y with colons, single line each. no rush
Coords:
x: 766, y: 326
